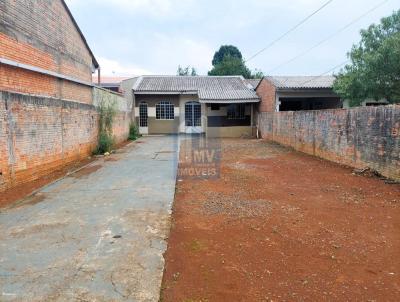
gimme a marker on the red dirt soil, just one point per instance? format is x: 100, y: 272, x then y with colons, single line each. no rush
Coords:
x: 279, y: 225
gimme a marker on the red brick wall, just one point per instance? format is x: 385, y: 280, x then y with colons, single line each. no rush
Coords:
x: 4, y: 154
x: 360, y: 137
x: 57, y: 123
x: 40, y: 134
x: 19, y: 80
x: 41, y: 33
x: 266, y: 91
x: 75, y: 92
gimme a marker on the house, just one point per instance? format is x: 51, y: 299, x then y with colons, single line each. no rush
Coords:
x: 221, y: 106
x: 109, y: 83
x: 253, y: 82
x: 293, y: 93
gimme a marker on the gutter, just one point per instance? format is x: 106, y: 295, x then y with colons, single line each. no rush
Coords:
x: 44, y: 71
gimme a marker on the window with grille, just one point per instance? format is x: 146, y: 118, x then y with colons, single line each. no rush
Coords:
x: 236, y: 112
x: 165, y: 111
x: 143, y: 115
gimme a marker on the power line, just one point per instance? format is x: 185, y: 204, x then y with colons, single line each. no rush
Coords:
x: 330, y: 37
x: 326, y: 72
x: 290, y: 30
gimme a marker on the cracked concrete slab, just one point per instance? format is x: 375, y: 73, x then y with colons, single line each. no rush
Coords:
x: 97, y: 235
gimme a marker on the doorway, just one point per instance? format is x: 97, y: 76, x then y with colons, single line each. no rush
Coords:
x: 193, y: 118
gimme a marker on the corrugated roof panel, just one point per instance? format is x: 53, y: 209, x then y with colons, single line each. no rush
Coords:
x: 298, y: 82
x: 207, y: 87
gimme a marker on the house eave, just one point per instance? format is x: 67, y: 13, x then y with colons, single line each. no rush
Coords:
x: 237, y: 101
x: 164, y: 92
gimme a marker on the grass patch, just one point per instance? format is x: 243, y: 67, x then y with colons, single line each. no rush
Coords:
x: 133, y: 132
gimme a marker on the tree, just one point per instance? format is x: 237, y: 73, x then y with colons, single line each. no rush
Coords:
x: 228, y: 61
x: 257, y: 74
x: 186, y: 71
x: 374, y: 71
x: 231, y: 66
x: 226, y: 51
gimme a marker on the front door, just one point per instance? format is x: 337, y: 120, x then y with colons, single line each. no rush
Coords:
x: 143, y: 118
x: 193, y: 118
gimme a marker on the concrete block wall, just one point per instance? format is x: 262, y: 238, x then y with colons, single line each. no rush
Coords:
x: 360, y: 137
x: 40, y: 134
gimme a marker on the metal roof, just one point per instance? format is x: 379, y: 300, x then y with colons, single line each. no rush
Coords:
x: 301, y: 82
x: 253, y: 82
x: 208, y: 88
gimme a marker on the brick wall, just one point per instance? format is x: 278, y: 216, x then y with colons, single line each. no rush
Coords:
x: 266, y: 91
x: 124, y: 109
x: 42, y: 34
x: 46, y: 121
x: 41, y: 134
x: 360, y: 137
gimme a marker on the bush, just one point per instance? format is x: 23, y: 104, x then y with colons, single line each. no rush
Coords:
x: 107, y: 112
x: 133, y: 132
x: 105, y: 144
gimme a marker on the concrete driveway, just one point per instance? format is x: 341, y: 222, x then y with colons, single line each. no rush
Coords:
x: 96, y: 235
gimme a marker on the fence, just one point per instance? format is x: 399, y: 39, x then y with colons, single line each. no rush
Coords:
x: 360, y: 137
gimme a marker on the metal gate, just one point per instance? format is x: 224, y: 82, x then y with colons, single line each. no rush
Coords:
x: 193, y: 117
x: 143, y: 118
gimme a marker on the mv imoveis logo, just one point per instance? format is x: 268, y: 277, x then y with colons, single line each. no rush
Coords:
x: 200, y: 158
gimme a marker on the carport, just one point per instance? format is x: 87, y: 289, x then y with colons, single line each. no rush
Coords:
x: 294, y: 93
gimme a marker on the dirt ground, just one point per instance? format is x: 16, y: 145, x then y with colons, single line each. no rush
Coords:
x: 278, y: 225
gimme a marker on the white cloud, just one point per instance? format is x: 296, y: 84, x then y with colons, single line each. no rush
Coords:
x: 111, y: 67
x: 172, y: 51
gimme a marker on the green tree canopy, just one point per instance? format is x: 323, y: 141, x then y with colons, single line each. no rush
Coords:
x: 231, y: 66
x: 228, y: 61
x: 226, y: 51
x: 186, y: 71
x: 374, y: 71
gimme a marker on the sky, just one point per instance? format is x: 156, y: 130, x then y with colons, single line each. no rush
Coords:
x: 142, y: 37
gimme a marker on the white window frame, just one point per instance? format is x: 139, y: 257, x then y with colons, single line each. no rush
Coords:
x: 167, y: 111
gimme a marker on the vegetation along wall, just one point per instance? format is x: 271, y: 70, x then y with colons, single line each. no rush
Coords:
x: 360, y: 137
x: 41, y: 134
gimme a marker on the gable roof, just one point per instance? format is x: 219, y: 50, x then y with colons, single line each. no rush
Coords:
x: 253, y: 82
x: 302, y: 82
x: 209, y: 88
x: 95, y: 63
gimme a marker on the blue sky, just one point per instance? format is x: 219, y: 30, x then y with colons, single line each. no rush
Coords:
x: 134, y: 37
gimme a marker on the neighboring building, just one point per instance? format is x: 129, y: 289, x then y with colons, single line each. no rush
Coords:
x: 43, y: 51
x: 110, y: 83
x: 253, y: 82
x: 48, y: 117
x: 293, y: 93
x: 216, y: 106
